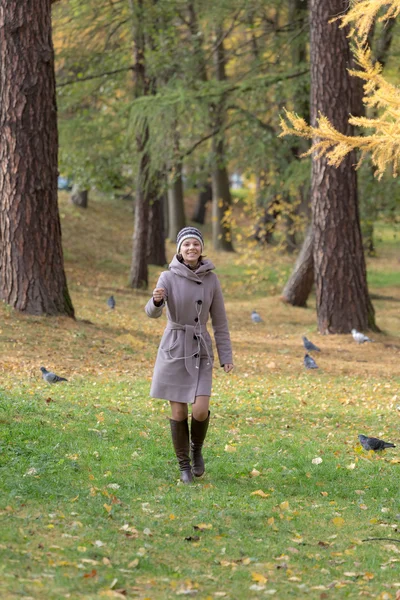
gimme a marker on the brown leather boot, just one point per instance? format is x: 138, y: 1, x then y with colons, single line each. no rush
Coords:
x: 198, y: 431
x: 180, y: 439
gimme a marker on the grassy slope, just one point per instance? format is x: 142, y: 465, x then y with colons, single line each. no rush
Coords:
x: 68, y: 530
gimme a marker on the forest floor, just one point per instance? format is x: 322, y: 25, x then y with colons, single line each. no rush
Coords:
x: 90, y: 503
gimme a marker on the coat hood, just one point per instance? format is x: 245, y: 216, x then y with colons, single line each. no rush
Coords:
x: 183, y: 271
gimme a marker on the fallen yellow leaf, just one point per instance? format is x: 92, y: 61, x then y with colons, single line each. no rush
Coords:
x: 338, y: 521
x: 229, y: 448
x: 203, y: 526
x: 260, y: 493
x: 134, y: 563
x: 259, y: 578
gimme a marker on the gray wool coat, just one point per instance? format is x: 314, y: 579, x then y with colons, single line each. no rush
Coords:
x: 183, y: 368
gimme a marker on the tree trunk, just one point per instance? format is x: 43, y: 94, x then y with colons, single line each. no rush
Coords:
x: 165, y: 215
x: 298, y: 203
x: 139, y: 275
x: 299, y: 285
x: 176, y: 209
x: 156, y: 233
x: 203, y: 199
x: 290, y: 231
x: 32, y: 265
x: 342, y: 295
x: 222, y: 203
x: 222, y: 199
x: 79, y: 197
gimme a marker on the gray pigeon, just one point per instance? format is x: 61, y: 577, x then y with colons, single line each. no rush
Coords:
x: 51, y: 377
x: 309, y: 362
x: 309, y: 345
x: 360, y: 338
x: 111, y: 302
x: 255, y: 317
x: 371, y: 443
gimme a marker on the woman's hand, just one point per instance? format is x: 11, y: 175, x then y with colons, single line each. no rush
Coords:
x: 228, y: 367
x: 158, y: 295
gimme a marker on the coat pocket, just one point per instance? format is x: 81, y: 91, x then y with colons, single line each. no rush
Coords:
x: 169, y: 340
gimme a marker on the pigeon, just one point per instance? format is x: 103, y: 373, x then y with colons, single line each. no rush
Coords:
x: 309, y: 362
x: 371, y: 443
x: 111, y: 302
x: 51, y: 377
x: 360, y: 338
x: 255, y: 317
x: 309, y: 345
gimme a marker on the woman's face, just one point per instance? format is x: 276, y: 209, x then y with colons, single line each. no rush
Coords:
x: 191, y: 251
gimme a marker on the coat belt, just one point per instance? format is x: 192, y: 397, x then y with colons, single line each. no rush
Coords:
x: 190, y: 332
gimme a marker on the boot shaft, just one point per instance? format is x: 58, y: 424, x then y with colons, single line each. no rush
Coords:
x: 180, y: 440
x: 198, y: 432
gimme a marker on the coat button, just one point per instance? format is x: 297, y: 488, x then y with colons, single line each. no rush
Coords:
x: 199, y: 301
x: 198, y: 282
x: 195, y: 337
x: 196, y: 356
x: 196, y: 319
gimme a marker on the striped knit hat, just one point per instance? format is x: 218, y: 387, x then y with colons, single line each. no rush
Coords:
x: 185, y: 234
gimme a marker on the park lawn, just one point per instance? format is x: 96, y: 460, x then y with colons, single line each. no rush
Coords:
x: 90, y: 500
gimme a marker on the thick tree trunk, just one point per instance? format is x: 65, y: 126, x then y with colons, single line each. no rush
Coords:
x: 203, y: 200
x: 299, y: 285
x: 176, y: 208
x: 156, y: 233
x: 342, y: 295
x: 79, y: 197
x: 32, y: 266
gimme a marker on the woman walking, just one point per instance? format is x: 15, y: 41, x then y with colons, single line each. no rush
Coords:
x: 184, y: 363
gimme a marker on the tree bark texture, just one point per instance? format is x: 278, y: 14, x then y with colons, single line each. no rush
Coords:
x: 300, y: 282
x: 32, y: 265
x: 156, y: 233
x: 342, y: 295
x: 222, y: 199
x: 139, y: 274
x: 79, y: 197
x: 222, y: 202
x: 176, y: 208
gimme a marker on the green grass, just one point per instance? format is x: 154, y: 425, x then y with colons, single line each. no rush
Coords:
x: 66, y: 530
x: 90, y: 500
x: 382, y: 279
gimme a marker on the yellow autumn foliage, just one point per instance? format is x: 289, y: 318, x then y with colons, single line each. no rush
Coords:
x: 382, y: 139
